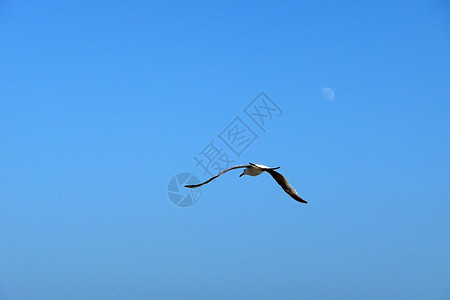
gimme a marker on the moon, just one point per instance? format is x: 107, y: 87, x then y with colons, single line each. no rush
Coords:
x: 328, y: 93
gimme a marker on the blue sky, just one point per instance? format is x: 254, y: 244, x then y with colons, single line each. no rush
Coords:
x: 102, y: 103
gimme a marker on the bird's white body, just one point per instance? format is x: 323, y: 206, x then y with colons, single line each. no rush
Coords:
x: 254, y: 170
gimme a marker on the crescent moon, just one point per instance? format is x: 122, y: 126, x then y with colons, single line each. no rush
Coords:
x: 328, y: 93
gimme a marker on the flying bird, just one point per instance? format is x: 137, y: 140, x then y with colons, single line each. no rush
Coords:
x: 254, y: 170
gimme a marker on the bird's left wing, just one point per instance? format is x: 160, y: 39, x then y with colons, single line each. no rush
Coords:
x: 214, y: 177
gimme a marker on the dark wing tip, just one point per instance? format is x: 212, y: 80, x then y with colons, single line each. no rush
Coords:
x: 190, y: 185
x: 303, y: 201
x: 298, y: 198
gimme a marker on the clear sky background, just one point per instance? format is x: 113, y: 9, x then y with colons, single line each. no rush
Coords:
x: 103, y: 102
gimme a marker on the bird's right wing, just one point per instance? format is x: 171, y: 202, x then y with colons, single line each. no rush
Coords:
x: 285, y: 185
x: 214, y: 177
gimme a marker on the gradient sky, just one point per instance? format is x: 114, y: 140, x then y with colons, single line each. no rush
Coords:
x: 103, y: 102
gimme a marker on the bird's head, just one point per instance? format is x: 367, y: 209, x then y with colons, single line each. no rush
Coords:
x: 243, y: 173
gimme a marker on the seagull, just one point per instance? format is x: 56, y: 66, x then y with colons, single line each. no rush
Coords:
x: 254, y: 170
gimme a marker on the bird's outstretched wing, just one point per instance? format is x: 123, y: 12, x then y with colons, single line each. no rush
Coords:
x: 214, y: 177
x: 285, y: 185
